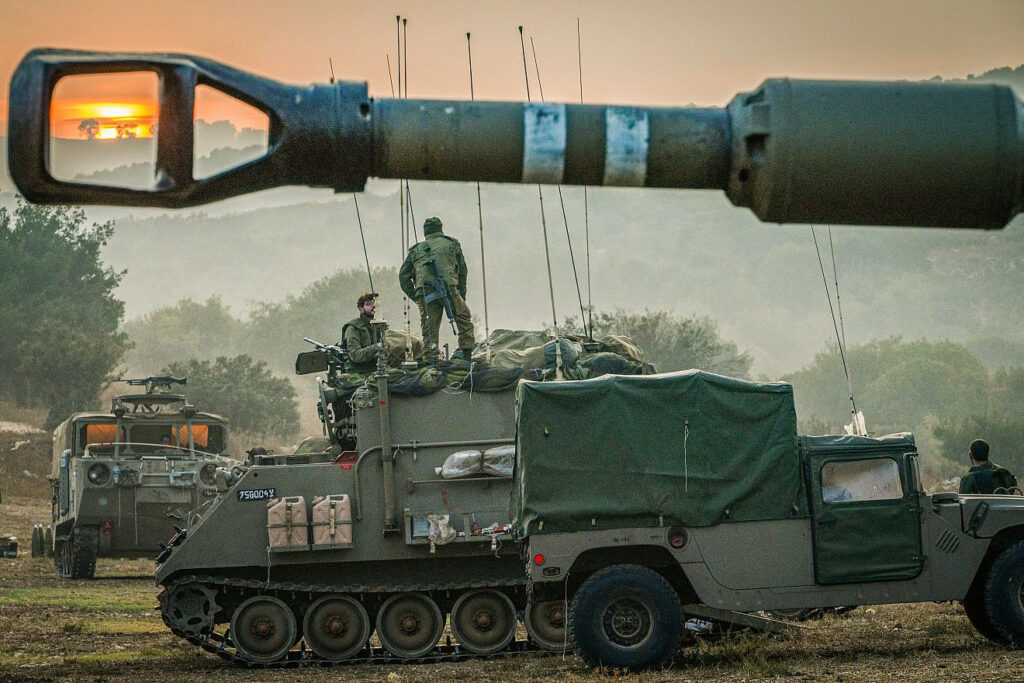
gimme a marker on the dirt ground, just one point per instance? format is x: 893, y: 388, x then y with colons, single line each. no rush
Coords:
x: 107, y: 629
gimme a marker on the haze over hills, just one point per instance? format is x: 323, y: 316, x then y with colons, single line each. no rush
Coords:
x: 687, y: 252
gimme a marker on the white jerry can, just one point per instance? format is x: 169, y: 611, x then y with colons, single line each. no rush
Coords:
x: 287, y: 522
x: 332, y: 521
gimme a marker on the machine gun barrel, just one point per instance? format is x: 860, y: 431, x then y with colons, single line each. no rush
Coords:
x: 869, y: 153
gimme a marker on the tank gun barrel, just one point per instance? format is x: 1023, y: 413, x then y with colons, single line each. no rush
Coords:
x: 792, y: 151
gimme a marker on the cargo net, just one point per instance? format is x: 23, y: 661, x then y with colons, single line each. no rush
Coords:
x: 513, y: 355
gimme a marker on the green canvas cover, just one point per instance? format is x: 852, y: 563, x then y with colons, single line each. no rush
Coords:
x: 686, y: 448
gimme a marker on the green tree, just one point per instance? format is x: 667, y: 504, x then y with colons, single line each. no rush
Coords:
x: 275, y: 330
x: 244, y: 391
x: 59, y: 338
x: 672, y: 343
x: 186, y: 330
x: 897, y: 384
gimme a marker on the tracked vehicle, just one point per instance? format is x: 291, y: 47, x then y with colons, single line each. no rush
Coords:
x: 123, y: 480
x: 404, y: 525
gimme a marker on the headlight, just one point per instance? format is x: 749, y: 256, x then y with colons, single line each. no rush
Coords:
x: 99, y: 474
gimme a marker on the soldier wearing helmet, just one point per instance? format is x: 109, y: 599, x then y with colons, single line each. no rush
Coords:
x: 417, y: 279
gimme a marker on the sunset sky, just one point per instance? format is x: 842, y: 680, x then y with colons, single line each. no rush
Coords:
x: 657, y: 52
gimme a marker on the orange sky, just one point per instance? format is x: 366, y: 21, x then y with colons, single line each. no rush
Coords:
x: 654, y: 52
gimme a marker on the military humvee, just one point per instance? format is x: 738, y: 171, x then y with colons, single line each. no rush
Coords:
x: 123, y: 480
x: 640, y: 501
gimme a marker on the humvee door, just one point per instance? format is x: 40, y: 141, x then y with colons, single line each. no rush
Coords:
x: 866, y: 517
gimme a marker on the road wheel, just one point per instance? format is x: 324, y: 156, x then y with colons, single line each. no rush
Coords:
x: 263, y: 629
x: 336, y: 627
x: 545, y: 624
x: 484, y: 621
x: 409, y: 625
x: 625, y: 616
x: 81, y: 561
x: 1004, y: 603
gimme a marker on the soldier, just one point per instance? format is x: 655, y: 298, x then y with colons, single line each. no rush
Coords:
x: 357, y: 336
x: 985, y: 476
x: 417, y: 281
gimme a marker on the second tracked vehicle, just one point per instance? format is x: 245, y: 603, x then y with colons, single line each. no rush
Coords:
x: 122, y: 480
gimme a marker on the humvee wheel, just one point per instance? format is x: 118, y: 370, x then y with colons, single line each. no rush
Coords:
x: 545, y: 624
x: 1004, y: 602
x: 190, y: 609
x: 484, y: 621
x: 263, y: 629
x: 625, y: 616
x: 409, y: 625
x: 336, y: 627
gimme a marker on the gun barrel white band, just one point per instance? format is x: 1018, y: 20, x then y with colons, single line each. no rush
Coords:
x: 627, y: 134
x: 544, y: 136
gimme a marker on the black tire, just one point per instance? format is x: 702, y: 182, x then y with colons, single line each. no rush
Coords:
x: 1004, y: 603
x: 974, y: 606
x: 625, y: 616
x: 81, y: 562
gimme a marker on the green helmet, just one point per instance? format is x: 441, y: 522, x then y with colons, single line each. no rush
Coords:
x: 431, y: 225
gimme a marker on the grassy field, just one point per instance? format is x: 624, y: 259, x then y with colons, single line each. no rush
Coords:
x: 108, y: 629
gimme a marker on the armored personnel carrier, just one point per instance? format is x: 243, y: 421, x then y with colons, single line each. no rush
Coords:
x: 687, y: 515
x: 403, y: 529
x: 123, y: 480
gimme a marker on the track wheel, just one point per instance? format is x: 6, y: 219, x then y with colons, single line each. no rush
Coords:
x: 190, y: 608
x: 484, y: 621
x: 625, y: 616
x: 336, y: 627
x: 409, y: 625
x: 1004, y: 595
x: 263, y: 629
x: 545, y: 624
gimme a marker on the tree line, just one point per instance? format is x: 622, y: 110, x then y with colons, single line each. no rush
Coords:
x: 64, y: 339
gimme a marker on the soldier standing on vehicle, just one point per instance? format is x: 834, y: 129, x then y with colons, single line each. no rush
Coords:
x: 434, y: 276
x: 985, y: 476
x: 357, y: 336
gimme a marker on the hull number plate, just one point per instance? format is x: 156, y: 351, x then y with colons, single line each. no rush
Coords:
x: 256, y: 494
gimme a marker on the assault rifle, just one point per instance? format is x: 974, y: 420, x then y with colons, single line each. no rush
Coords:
x: 440, y: 292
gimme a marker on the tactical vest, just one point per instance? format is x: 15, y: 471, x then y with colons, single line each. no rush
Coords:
x: 444, y: 251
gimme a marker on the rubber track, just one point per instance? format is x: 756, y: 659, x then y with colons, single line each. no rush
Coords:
x: 220, y: 643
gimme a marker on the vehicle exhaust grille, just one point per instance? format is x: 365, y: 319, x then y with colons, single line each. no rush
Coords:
x: 948, y: 542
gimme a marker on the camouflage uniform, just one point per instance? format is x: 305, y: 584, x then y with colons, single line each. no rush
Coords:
x: 986, y: 478
x: 415, y: 279
x: 357, y: 338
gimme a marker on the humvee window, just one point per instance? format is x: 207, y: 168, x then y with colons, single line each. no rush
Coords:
x: 857, y: 480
